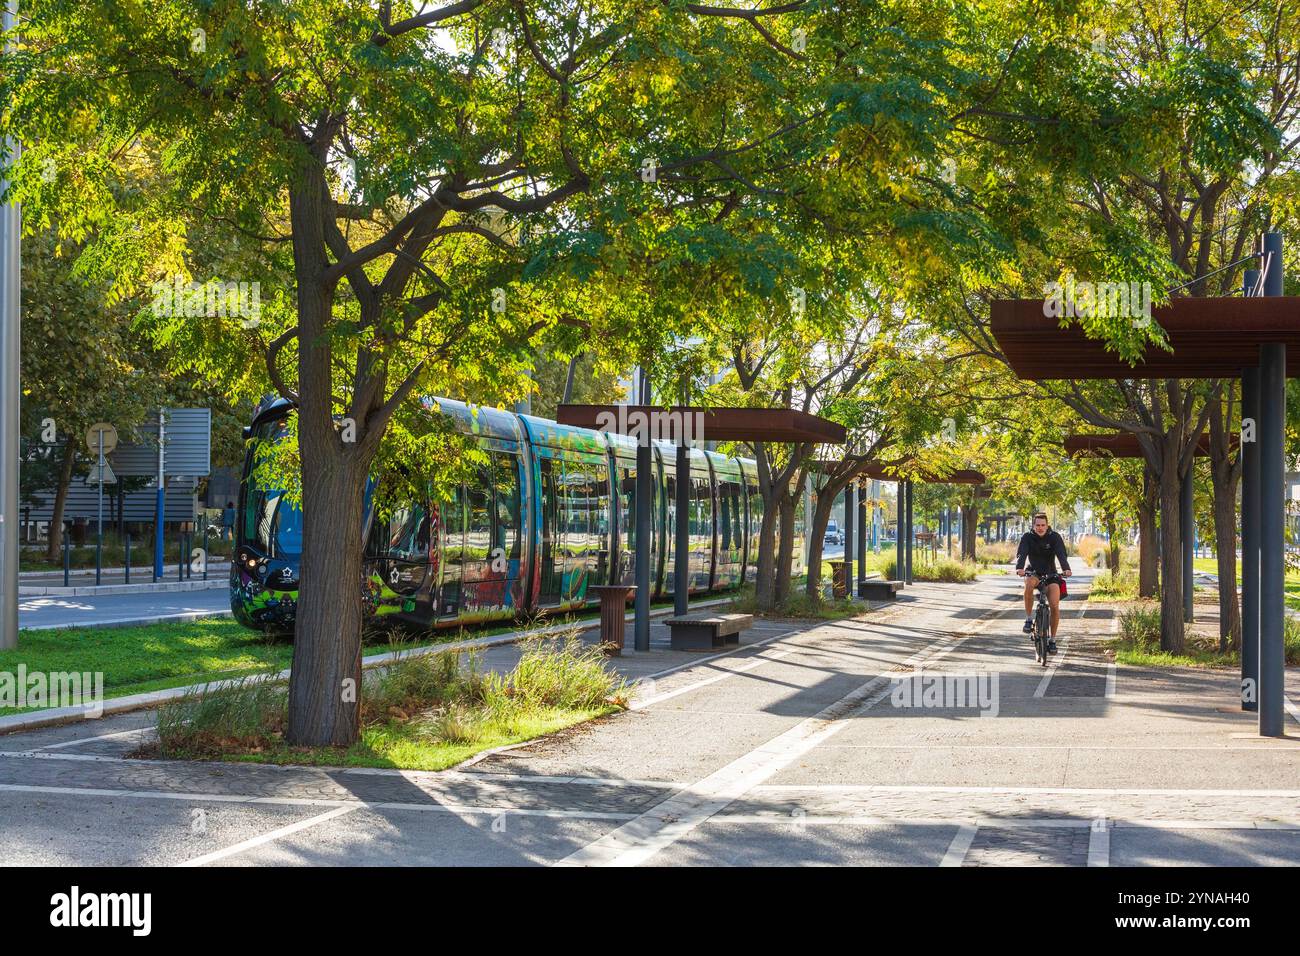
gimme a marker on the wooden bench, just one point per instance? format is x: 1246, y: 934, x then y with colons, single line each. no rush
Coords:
x: 879, y: 590
x: 704, y: 632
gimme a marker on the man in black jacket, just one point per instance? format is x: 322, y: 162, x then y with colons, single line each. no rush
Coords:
x: 1042, y: 548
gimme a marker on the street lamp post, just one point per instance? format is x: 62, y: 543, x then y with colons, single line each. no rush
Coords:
x: 10, y: 369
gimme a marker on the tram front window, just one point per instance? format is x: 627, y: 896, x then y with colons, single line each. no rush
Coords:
x: 273, y: 524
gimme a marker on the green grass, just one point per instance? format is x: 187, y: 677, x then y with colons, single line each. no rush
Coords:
x: 160, y: 656
x: 1291, y: 586
x: 1138, y: 643
x: 427, y: 712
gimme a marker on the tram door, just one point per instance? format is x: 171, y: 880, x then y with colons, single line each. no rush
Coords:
x: 552, y: 550
x: 453, y: 554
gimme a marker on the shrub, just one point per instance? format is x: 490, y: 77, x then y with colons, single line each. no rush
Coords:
x: 996, y: 552
x: 562, y: 673
x: 1092, y: 550
x: 1117, y: 585
x: 1291, y: 639
x: 946, y: 570
x: 1140, y: 627
x: 441, y: 697
x: 243, y: 713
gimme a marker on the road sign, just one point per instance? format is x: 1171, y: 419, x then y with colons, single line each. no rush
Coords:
x: 101, y: 430
x: 101, y: 475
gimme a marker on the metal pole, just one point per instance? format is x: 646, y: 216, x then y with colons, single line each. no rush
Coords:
x: 1272, y: 567
x: 862, y: 537
x: 875, y: 515
x: 10, y: 392
x: 99, y: 520
x: 127, y: 559
x: 682, y: 545
x: 900, y: 560
x: 908, y: 486
x: 1250, y: 531
x: 1187, y: 519
x: 1272, y: 511
x: 644, y: 486
x: 850, y: 515
x: 160, y: 510
x: 67, y: 556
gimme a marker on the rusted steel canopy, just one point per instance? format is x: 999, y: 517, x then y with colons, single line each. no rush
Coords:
x: 1120, y: 445
x: 960, y: 476
x: 1210, y: 337
x: 713, y: 424
x: 887, y: 471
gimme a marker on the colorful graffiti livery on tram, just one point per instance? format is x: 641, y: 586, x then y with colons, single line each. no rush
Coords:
x: 552, y: 512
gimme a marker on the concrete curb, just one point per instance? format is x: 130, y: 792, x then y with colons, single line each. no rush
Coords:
x: 148, y: 587
x: 132, y: 702
x: 180, y: 617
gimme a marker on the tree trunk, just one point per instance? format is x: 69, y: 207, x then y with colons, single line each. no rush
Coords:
x: 1112, y: 544
x: 765, y: 575
x: 1148, y: 573
x: 1172, y: 625
x: 54, y: 540
x: 820, y: 518
x: 325, y: 680
x: 970, y: 517
x: 785, y: 551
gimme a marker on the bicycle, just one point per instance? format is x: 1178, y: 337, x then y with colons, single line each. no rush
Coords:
x: 1043, y: 618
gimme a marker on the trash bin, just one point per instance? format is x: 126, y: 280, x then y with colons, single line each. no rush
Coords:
x: 613, y: 611
x: 839, y: 582
x: 79, y: 528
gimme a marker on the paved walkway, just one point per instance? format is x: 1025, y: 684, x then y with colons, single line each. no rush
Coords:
x: 793, y: 749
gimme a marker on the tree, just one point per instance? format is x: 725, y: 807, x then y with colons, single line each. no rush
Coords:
x: 429, y: 171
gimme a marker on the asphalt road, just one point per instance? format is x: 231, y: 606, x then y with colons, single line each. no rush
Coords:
x: 85, y: 610
x: 797, y: 748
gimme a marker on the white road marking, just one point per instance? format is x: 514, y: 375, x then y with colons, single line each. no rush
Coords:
x: 749, y: 665
x: 1110, y: 682
x: 713, y: 657
x: 960, y: 845
x: 1292, y: 709
x: 667, y: 822
x: 431, y: 807
x: 994, y: 822
x: 1052, y: 668
x: 267, y: 837
x: 77, y: 741
x: 1023, y: 791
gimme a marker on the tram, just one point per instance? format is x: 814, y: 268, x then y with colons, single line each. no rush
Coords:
x: 551, y: 513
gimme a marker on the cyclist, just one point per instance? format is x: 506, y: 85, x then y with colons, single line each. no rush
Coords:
x: 1042, y: 548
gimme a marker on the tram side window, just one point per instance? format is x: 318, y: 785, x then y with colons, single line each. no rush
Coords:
x: 575, y: 507
x: 478, y: 532
x: 453, y: 519
x: 505, y: 531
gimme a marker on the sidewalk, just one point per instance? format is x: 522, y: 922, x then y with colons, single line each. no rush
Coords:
x: 792, y: 749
